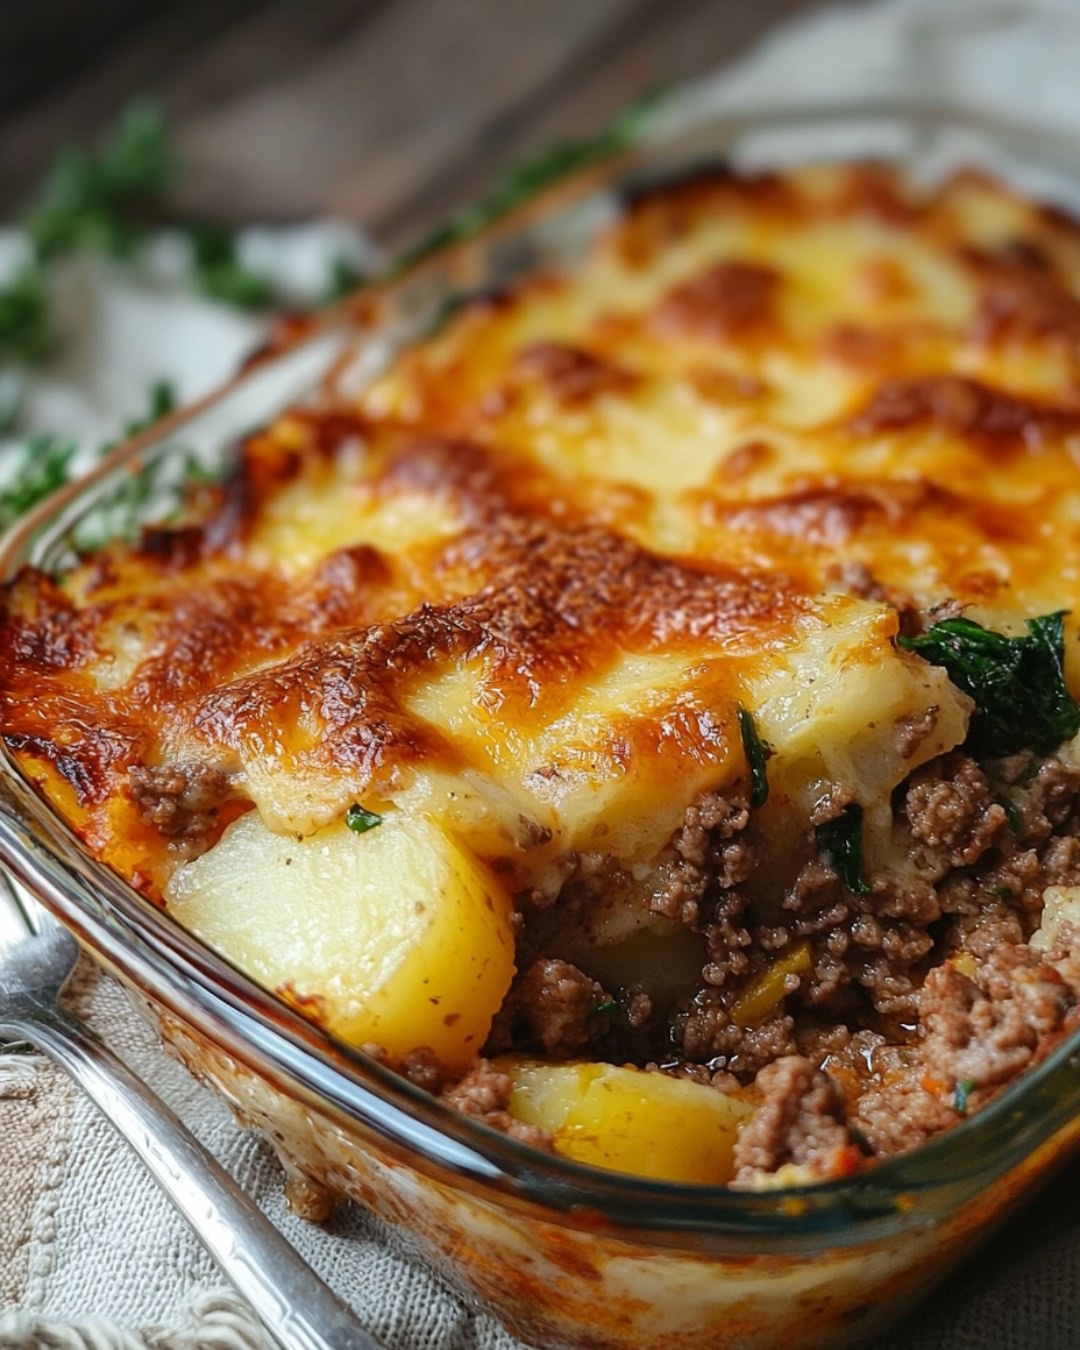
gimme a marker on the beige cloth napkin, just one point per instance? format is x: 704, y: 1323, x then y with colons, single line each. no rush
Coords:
x: 86, y: 1236
x: 90, y: 1254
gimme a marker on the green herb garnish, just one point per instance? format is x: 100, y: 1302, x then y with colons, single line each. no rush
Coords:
x: 120, y: 517
x: 45, y: 466
x: 360, y: 820
x: 126, y: 510
x: 235, y: 284
x: 160, y: 400
x: 89, y: 198
x: 152, y: 491
x: 757, y: 752
x: 219, y: 273
x: 194, y: 473
x: 839, y: 842
x: 25, y: 330
x: 343, y: 278
x: 607, y: 1005
x: 1018, y: 683
x: 961, y: 1093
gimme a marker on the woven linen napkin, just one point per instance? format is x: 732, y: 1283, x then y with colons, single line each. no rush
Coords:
x: 91, y: 1255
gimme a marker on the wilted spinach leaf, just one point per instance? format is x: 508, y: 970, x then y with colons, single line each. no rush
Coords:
x: 839, y: 842
x: 757, y: 752
x: 1018, y: 683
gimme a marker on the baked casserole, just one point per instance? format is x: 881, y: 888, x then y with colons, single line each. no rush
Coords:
x: 644, y: 716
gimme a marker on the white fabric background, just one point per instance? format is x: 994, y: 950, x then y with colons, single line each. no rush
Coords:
x: 104, y: 1243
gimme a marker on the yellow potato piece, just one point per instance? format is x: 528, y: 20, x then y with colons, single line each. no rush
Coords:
x: 627, y: 1120
x: 397, y: 935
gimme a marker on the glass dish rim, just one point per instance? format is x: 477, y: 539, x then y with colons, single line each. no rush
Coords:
x: 203, y: 990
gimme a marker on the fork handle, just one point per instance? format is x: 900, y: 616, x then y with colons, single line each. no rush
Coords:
x: 297, y: 1310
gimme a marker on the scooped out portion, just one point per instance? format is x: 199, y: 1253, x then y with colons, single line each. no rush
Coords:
x: 646, y: 716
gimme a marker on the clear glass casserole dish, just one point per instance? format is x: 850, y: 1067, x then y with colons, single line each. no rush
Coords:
x: 564, y: 1255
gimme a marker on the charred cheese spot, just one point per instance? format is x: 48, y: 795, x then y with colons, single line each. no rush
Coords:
x: 730, y: 300
x: 967, y: 407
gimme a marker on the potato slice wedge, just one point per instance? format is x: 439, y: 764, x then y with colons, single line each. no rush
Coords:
x: 397, y: 936
x: 627, y: 1120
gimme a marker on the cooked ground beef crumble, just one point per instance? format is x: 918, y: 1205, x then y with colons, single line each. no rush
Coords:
x: 918, y: 1000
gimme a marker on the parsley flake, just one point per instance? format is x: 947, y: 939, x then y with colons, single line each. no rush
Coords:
x: 360, y: 820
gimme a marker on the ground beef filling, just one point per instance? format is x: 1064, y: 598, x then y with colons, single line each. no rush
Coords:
x: 550, y: 1009
x: 484, y: 1094
x: 799, y: 1123
x: 179, y: 800
x: 896, y: 1011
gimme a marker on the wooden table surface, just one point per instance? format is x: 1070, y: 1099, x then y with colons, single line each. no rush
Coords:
x: 388, y: 112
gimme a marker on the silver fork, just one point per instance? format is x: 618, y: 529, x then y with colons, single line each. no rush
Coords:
x: 297, y: 1310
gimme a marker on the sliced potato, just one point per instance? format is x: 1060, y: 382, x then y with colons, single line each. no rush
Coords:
x: 397, y: 935
x: 627, y: 1120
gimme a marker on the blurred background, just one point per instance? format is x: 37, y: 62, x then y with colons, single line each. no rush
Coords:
x: 385, y: 112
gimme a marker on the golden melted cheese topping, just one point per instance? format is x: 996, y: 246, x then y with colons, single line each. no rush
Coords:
x: 523, y: 585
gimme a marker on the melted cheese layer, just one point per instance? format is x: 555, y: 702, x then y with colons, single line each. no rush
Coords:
x: 522, y: 586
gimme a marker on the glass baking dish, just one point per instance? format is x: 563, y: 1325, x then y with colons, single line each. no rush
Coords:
x: 564, y: 1255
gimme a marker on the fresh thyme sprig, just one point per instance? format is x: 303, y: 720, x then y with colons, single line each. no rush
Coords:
x: 25, y: 328
x: 106, y: 200
x: 46, y: 462
x: 96, y: 200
